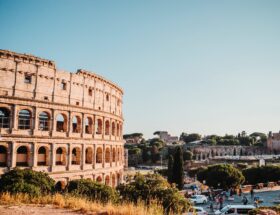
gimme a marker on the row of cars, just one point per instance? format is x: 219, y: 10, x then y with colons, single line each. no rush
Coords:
x: 229, y: 209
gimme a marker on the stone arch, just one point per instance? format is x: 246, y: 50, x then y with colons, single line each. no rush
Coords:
x: 99, y: 179
x: 107, y: 155
x: 23, y: 156
x: 99, y: 126
x: 118, y: 129
x: 107, y: 127
x: 113, y: 128
x: 88, y: 125
x: 60, y: 156
x: 44, y: 121
x: 3, y: 156
x: 114, y: 154
x: 113, y: 180
x: 60, y: 186
x: 76, y: 124
x: 61, y: 122
x: 89, y: 155
x: 24, y: 119
x: 107, y: 180
x: 76, y: 156
x: 118, y: 178
x: 43, y: 156
x: 5, y: 117
x: 99, y: 156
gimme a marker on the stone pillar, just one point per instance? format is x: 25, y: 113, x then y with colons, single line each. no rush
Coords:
x: 35, y: 120
x: 52, y: 122
x: 14, y: 155
x: 83, y: 156
x: 53, y: 156
x: 94, y: 156
x: 93, y: 126
x: 103, y: 156
x: 83, y: 125
x: 69, y: 127
x: 34, y: 155
x: 69, y: 157
x: 15, y: 118
x: 111, y: 156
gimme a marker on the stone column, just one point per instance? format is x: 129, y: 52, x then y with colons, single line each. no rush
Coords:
x: 83, y: 125
x: 34, y: 155
x: 94, y: 156
x: 52, y: 122
x: 111, y: 156
x: 14, y: 155
x: 35, y: 120
x: 83, y: 156
x: 69, y: 127
x: 103, y: 156
x: 15, y: 118
x: 69, y: 157
x: 53, y: 156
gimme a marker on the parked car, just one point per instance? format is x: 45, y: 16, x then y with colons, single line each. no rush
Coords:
x: 198, y: 199
x: 235, y: 209
x: 197, y: 211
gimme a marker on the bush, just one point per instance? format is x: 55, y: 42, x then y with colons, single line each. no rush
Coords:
x: 153, y: 187
x: 221, y: 176
x: 26, y: 181
x: 262, y: 174
x: 92, y: 190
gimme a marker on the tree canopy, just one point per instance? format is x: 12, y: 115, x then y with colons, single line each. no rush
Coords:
x: 223, y: 176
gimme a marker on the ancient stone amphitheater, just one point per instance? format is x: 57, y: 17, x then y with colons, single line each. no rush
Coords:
x: 66, y: 124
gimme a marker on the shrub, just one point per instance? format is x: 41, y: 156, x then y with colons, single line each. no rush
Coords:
x: 26, y: 181
x: 92, y: 190
x: 221, y: 176
x: 153, y: 187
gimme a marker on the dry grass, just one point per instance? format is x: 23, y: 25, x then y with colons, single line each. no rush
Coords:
x: 81, y: 205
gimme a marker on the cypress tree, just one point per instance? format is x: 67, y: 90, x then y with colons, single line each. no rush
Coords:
x: 178, y: 168
x: 170, y: 169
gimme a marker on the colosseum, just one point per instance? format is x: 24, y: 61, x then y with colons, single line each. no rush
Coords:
x: 66, y: 124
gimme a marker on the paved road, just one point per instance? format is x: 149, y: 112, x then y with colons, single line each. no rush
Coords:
x: 267, y: 196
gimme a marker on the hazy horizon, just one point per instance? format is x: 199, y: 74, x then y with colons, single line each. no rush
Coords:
x: 208, y: 67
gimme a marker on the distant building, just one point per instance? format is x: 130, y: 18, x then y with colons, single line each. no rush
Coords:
x: 134, y: 138
x: 273, y: 142
x: 163, y: 135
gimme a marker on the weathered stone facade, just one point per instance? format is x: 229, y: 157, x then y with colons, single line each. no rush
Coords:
x: 66, y: 124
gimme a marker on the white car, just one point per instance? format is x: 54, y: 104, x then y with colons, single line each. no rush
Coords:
x: 198, y: 199
x: 197, y: 211
x: 235, y: 209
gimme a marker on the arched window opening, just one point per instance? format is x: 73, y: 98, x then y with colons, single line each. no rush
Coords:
x: 60, y: 156
x: 113, y: 128
x: 76, y: 156
x: 3, y: 156
x: 107, y: 127
x: 114, y: 155
x: 99, y: 126
x: 88, y: 125
x: 107, y: 155
x: 42, y: 156
x: 44, y: 121
x: 89, y: 155
x: 118, y: 130
x: 113, y: 180
x: 99, y: 155
x: 4, y: 118
x: 61, y: 123
x: 107, y: 97
x: 107, y: 180
x: 99, y: 179
x: 76, y: 124
x: 24, y: 119
x: 22, y: 156
x: 118, y: 157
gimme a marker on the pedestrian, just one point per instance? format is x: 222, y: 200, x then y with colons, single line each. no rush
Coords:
x: 256, y: 202
x: 240, y: 192
x: 252, y: 193
x: 245, y: 200
x: 211, y: 207
x: 221, y: 201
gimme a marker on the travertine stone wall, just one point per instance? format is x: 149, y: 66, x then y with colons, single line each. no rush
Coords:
x: 67, y: 124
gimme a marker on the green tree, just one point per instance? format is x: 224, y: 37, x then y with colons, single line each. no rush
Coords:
x: 262, y: 174
x: 223, y: 176
x: 187, y: 138
x: 178, y: 168
x: 153, y: 187
x: 187, y: 155
x: 170, y: 169
x: 26, y: 181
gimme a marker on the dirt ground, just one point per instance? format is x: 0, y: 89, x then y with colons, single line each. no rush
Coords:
x: 34, y: 210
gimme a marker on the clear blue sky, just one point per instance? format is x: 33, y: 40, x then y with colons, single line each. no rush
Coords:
x: 193, y: 66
